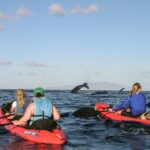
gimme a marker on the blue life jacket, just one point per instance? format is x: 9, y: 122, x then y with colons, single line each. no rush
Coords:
x: 21, y: 110
x: 43, y: 107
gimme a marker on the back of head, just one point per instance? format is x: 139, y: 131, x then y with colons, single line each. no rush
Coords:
x: 20, y: 94
x: 136, y: 88
x: 39, y: 92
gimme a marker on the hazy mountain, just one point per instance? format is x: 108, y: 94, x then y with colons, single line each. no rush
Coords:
x: 95, y: 86
x: 106, y: 86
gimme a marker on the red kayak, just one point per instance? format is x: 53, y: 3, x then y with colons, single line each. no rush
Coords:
x: 39, y: 136
x: 102, y: 108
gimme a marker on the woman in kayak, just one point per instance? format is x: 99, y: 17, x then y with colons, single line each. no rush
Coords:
x: 134, y: 105
x: 19, y: 106
x: 41, y: 112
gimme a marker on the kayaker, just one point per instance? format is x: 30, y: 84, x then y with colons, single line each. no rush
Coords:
x: 134, y: 105
x: 39, y: 112
x: 19, y: 106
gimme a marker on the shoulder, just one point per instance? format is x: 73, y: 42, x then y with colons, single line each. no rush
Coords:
x: 30, y: 106
x: 28, y: 99
x: 139, y: 95
x: 14, y: 104
x: 142, y: 94
x: 46, y: 99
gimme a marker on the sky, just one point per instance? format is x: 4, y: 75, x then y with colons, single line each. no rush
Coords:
x: 55, y: 43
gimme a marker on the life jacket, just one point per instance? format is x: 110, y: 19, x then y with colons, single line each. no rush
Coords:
x: 21, y: 110
x: 43, y: 109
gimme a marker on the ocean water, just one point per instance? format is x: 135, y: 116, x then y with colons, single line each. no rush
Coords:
x: 83, y: 133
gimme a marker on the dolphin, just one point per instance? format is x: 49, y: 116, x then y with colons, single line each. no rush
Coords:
x: 77, y: 88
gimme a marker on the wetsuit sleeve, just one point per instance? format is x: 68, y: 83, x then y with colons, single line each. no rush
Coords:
x: 123, y: 105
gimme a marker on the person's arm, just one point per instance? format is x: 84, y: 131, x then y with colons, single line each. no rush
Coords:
x: 27, y: 115
x: 56, y: 114
x: 123, y: 105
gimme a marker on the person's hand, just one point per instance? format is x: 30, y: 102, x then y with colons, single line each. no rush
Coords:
x: 15, y: 122
x: 6, y: 114
x: 110, y: 110
x: 19, y: 123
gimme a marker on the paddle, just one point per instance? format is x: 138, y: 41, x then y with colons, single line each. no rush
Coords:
x: 6, y: 116
x: 82, y: 112
x: 6, y: 124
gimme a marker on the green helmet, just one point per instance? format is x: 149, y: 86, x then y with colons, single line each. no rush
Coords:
x: 39, y: 91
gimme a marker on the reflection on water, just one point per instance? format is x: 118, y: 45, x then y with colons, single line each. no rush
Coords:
x: 26, y: 145
x: 83, y: 134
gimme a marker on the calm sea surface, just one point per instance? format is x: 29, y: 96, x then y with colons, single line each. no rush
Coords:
x: 83, y: 133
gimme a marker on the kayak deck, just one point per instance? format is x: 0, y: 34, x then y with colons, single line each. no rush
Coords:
x: 39, y: 136
x: 102, y: 108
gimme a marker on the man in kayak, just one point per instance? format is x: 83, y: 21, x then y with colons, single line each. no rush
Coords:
x: 40, y: 112
x: 134, y: 105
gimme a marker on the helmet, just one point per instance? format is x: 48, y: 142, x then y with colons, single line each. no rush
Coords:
x: 39, y: 91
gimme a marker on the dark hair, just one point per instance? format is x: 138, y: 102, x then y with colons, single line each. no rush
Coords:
x: 39, y: 95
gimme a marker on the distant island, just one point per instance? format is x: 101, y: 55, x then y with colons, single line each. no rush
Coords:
x: 95, y: 86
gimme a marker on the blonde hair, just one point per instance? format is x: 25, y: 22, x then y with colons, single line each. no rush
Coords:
x: 20, y: 94
x: 135, y: 88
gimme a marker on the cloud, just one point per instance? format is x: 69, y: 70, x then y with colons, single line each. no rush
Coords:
x: 3, y: 16
x: 32, y: 74
x: 34, y: 64
x: 56, y: 9
x: 98, y: 73
x: 2, y: 27
x: 22, y: 12
x: 19, y: 14
x: 5, y: 63
x: 29, y: 74
x: 145, y: 74
x: 20, y: 74
x: 93, y: 8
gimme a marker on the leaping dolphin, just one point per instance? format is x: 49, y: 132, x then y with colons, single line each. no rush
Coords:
x: 77, y: 88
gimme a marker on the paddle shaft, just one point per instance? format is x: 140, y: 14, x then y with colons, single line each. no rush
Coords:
x: 6, y: 116
x: 6, y: 124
